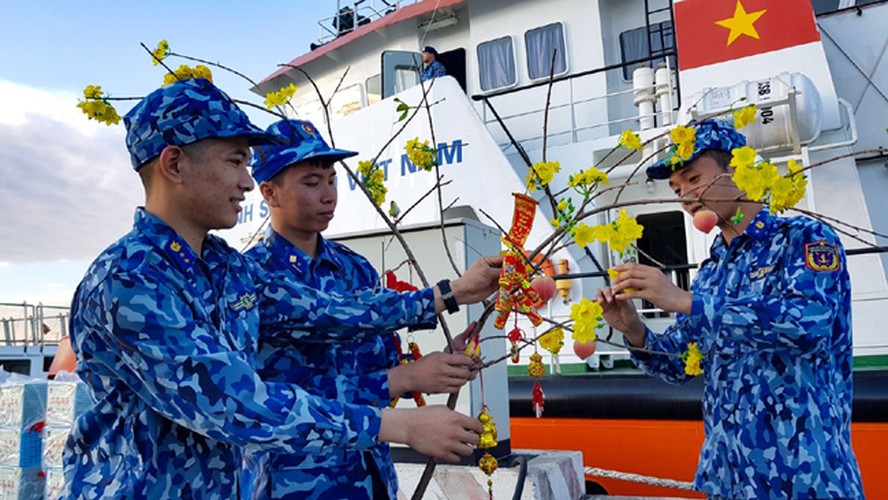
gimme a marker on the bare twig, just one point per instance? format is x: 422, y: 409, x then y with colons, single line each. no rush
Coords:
x: 879, y: 151
x: 416, y: 203
x: 159, y: 60
x: 216, y: 64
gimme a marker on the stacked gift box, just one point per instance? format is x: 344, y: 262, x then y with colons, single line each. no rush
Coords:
x: 22, y: 414
x: 65, y: 402
x: 36, y: 417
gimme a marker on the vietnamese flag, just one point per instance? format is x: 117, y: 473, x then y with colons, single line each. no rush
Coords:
x: 712, y: 31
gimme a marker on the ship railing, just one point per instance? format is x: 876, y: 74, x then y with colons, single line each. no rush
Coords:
x: 350, y: 16
x: 32, y: 326
x: 664, y: 97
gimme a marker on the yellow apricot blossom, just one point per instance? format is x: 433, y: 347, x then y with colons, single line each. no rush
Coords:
x: 280, y: 97
x: 541, y: 174
x: 583, y: 235
x: 683, y: 135
x: 626, y: 231
x: 160, y: 52
x: 586, y: 316
x: 421, y: 154
x: 96, y: 107
x: 685, y: 150
x: 743, y: 157
x: 553, y: 341
x: 184, y: 72
x: 613, y: 273
x: 372, y: 177
x: 630, y: 140
x: 744, y: 116
x: 747, y: 179
x: 692, y: 359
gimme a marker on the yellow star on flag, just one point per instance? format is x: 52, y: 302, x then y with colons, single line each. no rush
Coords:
x: 742, y: 23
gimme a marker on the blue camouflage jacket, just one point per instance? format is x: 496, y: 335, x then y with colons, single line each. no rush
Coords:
x: 352, y: 372
x: 772, y: 314
x: 432, y: 71
x: 167, y: 342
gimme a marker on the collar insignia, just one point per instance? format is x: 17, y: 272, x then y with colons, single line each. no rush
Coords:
x: 245, y: 302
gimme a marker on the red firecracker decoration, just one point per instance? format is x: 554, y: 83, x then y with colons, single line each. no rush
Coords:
x: 538, y: 399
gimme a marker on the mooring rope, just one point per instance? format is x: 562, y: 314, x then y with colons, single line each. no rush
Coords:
x: 638, y: 478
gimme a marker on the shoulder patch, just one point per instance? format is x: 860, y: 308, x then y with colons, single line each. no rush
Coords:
x: 822, y: 256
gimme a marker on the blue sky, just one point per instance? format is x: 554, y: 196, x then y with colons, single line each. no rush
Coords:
x: 66, y: 186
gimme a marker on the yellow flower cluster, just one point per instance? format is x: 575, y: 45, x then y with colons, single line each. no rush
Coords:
x: 184, y: 72
x: 630, y: 140
x: 373, y: 177
x: 541, y: 174
x: 619, y: 234
x: 553, y: 341
x: 93, y: 92
x: 744, y: 116
x: 692, y: 359
x: 762, y: 182
x: 583, y: 234
x: 96, y: 107
x: 613, y: 273
x: 160, y: 52
x: 684, y: 140
x: 587, y: 317
x: 683, y: 134
x: 589, y: 177
x: 421, y: 154
x: 281, y: 97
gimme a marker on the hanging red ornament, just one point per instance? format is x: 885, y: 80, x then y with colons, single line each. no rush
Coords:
x: 538, y: 399
x: 514, y: 336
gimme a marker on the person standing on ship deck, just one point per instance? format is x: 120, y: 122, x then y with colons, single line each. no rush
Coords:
x: 770, y: 309
x: 431, y: 68
x: 165, y: 324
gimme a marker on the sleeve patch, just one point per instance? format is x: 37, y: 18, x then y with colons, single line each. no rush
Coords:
x: 822, y: 256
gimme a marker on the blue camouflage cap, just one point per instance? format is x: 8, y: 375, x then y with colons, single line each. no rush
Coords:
x: 711, y: 134
x: 184, y: 112
x: 304, y: 142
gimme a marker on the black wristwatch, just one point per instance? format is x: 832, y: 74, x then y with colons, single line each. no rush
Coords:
x: 447, y: 296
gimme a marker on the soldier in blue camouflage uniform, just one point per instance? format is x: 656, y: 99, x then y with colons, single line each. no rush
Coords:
x: 770, y: 310
x: 166, y: 321
x: 298, y: 182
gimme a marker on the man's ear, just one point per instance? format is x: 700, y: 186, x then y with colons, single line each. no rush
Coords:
x: 170, y: 163
x: 269, y: 192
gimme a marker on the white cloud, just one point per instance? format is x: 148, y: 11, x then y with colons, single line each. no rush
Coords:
x: 67, y: 189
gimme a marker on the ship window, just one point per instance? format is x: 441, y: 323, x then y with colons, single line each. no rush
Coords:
x: 312, y: 111
x: 347, y: 101
x: 823, y: 6
x: 540, y: 43
x: 664, y: 240
x: 496, y: 64
x: 374, y: 89
x: 405, y: 78
x: 634, y: 45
